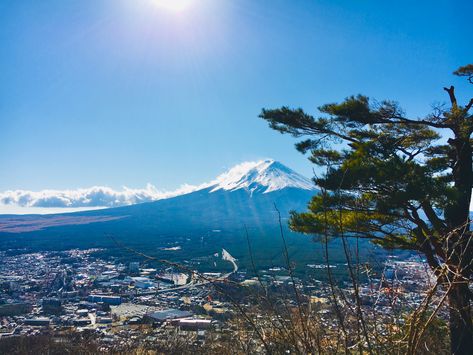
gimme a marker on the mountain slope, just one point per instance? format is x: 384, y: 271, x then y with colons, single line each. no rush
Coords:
x: 237, y: 195
x: 199, y: 223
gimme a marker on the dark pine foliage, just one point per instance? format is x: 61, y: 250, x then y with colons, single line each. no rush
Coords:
x: 394, y: 180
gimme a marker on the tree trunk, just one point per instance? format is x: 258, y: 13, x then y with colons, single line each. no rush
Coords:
x: 461, y: 326
x: 458, y: 213
x: 459, y: 248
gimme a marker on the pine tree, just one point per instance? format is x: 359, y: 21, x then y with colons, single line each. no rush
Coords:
x: 394, y: 180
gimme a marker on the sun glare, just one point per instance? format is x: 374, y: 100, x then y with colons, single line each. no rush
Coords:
x: 173, y: 5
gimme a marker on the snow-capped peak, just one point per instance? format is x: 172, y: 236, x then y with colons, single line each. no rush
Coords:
x: 263, y: 176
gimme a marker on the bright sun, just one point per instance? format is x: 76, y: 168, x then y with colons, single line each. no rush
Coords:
x: 173, y: 5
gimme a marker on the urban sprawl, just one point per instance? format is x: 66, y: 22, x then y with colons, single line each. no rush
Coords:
x: 125, y: 304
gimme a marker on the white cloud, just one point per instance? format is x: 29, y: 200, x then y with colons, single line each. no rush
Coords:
x: 99, y: 196
x: 96, y: 196
x: 56, y: 201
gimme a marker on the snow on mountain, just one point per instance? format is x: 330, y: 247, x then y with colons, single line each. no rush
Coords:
x: 261, y: 176
x: 244, y: 195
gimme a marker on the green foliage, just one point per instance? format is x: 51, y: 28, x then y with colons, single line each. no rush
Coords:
x: 383, y: 171
x: 466, y: 71
x: 393, y: 180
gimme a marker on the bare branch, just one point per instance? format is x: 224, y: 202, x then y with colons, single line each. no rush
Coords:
x: 451, y: 94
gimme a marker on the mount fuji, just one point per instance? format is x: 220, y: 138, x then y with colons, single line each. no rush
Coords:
x: 224, y: 213
x: 241, y: 194
x: 263, y: 176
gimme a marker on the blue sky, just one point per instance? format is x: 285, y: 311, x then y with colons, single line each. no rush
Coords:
x: 126, y: 92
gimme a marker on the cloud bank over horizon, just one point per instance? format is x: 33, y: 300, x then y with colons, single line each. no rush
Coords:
x: 93, y: 197
x: 13, y: 201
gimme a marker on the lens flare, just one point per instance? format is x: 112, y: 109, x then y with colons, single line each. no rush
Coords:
x: 173, y: 5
